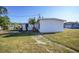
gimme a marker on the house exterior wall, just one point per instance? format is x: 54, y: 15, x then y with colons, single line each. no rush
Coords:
x: 30, y: 27
x: 23, y: 27
x: 11, y: 27
x: 75, y: 26
x: 37, y: 26
x: 67, y: 25
x: 0, y: 28
x: 47, y: 26
x: 71, y: 25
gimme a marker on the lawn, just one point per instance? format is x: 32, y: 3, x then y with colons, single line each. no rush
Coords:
x: 22, y: 43
x: 27, y: 42
x: 68, y: 38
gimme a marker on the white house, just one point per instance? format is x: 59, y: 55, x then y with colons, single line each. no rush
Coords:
x: 11, y: 27
x: 48, y: 25
x: 71, y: 25
x: 24, y: 26
x: 30, y: 27
x: 0, y: 28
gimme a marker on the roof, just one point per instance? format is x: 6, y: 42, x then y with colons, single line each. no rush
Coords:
x: 72, y: 23
x: 52, y: 19
x: 23, y: 23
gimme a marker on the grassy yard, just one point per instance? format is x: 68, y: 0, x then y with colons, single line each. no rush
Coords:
x: 24, y: 42
x: 68, y: 38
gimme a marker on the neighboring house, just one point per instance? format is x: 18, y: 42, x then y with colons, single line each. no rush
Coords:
x: 48, y: 25
x: 11, y: 27
x: 0, y: 28
x: 24, y: 26
x: 27, y: 26
x: 71, y: 25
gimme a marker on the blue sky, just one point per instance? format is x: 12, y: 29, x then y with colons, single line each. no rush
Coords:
x: 21, y: 14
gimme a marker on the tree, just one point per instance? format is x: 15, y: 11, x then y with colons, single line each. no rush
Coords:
x: 32, y: 21
x: 3, y: 10
x: 4, y: 19
x: 4, y: 22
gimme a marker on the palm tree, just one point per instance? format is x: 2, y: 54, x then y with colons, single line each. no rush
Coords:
x: 32, y: 21
x: 3, y: 10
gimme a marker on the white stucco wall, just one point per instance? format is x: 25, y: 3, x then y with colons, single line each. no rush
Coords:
x: 30, y: 27
x: 37, y: 26
x: 23, y: 27
x: 47, y: 26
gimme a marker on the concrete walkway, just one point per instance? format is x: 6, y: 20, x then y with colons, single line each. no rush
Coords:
x: 44, y: 41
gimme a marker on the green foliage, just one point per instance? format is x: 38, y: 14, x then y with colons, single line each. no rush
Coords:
x: 26, y: 42
x: 16, y: 25
x: 32, y: 21
x: 4, y: 22
x: 68, y: 38
x: 3, y: 10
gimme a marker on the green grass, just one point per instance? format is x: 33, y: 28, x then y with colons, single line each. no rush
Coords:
x: 19, y: 43
x: 69, y: 38
x: 15, y: 42
x: 23, y: 42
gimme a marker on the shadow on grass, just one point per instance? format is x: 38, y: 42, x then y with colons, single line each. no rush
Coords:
x: 24, y: 34
x: 19, y: 34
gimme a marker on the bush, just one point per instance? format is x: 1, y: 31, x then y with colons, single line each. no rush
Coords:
x: 5, y: 27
